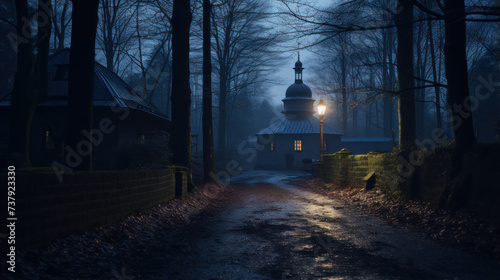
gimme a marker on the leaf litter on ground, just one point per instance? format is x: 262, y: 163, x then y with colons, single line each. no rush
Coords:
x: 96, y: 253
x: 452, y: 227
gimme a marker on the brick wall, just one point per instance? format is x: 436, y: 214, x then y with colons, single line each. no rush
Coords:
x: 476, y: 188
x: 344, y: 169
x: 47, y: 209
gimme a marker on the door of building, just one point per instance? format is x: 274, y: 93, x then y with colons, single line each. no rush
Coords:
x: 289, y: 161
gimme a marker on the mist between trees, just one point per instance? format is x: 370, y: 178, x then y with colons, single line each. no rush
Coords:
x: 371, y: 55
x: 357, y: 46
x: 134, y: 39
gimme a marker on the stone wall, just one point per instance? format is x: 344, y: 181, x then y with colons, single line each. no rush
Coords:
x: 47, y: 209
x: 475, y: 188
x: 344, y: 169
x: 364, y: 145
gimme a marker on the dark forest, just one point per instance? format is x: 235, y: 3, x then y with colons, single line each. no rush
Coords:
x: 225, y: 139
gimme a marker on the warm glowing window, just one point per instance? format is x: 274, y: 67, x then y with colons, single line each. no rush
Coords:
x: 324, y: 145
x: 297, y: 145
x: 49, y: 142
x: 272, y: 146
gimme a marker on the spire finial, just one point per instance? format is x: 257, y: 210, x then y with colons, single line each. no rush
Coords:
x: 298, y: 50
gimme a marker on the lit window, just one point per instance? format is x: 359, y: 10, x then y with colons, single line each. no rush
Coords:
x: 49, y: 142
x: 324, y: 145
x: 142, y: 138
x: 297, y: 145
x: 272, y: 146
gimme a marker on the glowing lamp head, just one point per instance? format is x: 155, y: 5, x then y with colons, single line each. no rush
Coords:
x: 321, y: 107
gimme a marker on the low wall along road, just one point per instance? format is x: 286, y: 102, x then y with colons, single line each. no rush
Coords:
x: 47, y: 209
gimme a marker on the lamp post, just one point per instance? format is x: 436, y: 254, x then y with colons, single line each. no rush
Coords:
x: 321, y: 112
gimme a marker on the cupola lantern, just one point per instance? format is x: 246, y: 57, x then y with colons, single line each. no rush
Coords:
x: 298, y: 101
x: 298, y: 71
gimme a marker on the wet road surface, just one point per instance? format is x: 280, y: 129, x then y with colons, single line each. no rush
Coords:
x: 273, y: 230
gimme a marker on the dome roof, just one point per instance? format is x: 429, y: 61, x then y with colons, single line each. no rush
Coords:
x: 298, y: 64
x: 298, y: 90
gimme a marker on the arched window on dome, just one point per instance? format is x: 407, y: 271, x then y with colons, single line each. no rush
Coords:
x: 298, y: 71
x: 298, y: 75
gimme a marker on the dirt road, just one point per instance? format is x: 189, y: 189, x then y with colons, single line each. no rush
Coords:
x: 272, y: 230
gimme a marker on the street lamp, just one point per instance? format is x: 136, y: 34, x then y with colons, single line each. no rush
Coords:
x: 321, y: 112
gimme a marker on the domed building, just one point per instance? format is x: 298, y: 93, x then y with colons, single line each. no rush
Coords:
x: 296, y: 135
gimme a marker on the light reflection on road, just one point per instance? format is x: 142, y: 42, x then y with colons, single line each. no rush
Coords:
x: 273, y: 230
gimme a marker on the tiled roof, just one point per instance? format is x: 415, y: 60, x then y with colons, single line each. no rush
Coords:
x: 109, y: 89
x: 386, y: 139
x: 308, y: 125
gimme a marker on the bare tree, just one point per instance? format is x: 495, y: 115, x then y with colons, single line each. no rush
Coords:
x: 43, y: 47
x: 363, y: 63
x: 8, y: 59
x: 24, y: 95
x: 208, y: 138
x: 334, y: 21
x: 388, y: 74
x: 242, y: 44
x: 435, y: 74
x: 114, y: 30
x: 61, y: 19
x: 456, y: 73
x: 406, y: 95
x: 181, y: 92
x: 154, y: 63
x: 81, y: 78
x: 455, y: 14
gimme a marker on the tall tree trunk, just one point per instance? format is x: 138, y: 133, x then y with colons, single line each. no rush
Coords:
x: 109, y: 14
x: 368, y: 130
x: 221, y: 146
x: 24, y: 95
x: 355, y: 109
x: 406, y: 95
x: 368, y: 117
x: 81, y: 81
x: 497, y: 42
x: 391, y: 79
x: 224, y: 72
x: 208, y: 137
x: 386, y: 80
x: 62, y: 37
x: 42, y: 60
x: 434, y: 75
x: 180, y: 142
x: 377, y: 114
x: 59, y: 31
x: 169, y: 91
x: 456, y: 74
x: 343, y: 68
x: 338, y: 108
x: 420, y: 91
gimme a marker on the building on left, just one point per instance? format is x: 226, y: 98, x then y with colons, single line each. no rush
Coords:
x: 130, y: 118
